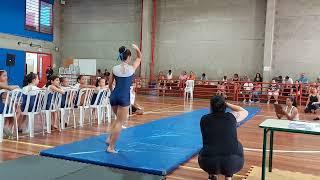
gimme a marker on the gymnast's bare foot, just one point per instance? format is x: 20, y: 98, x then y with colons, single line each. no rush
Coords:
x: 112, y: 150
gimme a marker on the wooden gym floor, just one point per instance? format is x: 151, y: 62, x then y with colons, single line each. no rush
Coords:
x: 299, y: 153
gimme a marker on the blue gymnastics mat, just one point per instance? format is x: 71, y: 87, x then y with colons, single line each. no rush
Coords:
x: 157, y: 147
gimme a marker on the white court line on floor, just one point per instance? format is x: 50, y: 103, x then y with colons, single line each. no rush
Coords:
x: 246, y: 149
x: 161, y: 103
x: 283, y: 151
x: 160, y: 109
x: 159, y: 112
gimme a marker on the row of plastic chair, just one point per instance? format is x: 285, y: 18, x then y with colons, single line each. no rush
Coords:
x: 44, y: 102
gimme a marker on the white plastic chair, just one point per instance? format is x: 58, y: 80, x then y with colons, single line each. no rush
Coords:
x: 132, y: 99
x: 106, y: 107
x: 50, y: 104
x: 97, y: 104
x: 30, y: 110
x: 12, y: 99
x: 188, y: 90
x: 66, y: 105
x: 83, y: 102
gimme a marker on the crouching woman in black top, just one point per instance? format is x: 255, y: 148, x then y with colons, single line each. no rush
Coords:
x: 221, y: 153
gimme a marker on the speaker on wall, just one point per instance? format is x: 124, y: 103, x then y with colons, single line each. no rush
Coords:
x: 11, y: 60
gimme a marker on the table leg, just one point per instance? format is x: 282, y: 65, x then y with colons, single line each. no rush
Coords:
x: 264, y: 154
x: 271, y: 151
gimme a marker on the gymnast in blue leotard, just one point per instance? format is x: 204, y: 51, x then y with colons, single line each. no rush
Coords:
x: 122, y: 74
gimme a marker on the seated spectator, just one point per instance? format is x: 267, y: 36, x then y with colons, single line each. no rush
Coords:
x: 183, y: 76
x: 8, y: 123
x: 53, y: 86
x: 258, y: 78
x: 31, y: 82
x: 99, y: 73
x: 4, y: 81
x: 257, y: 91
x: 106, y: 73
x: 225, y: 79
x: 161, y: 76
x: 222, y: 153
x: 296, y: 89
x: 225, y: 82
x: 290, y: 111
x: 106, y: 76
x: 192, y: 76
x: 287, y: 89
x: 244, y: 78
x: 82, y: 83
x: 273, y: 91
x: 221, y: 90
x: 204, y: 77
x: 136, y: 108
x: 288, y: 80
x: 138, y: 83
x: 161, y: 80
x: 279, y: 80
x: 312, y: 101
x: 169, y: 75
x: 317, y: 118
x: 303, y: 79
x: 64, y: 83
x: 307, y: 88
x: 169, y: 78
x: 247, y: 91
x: 101, y: 83
x: 236, y: 77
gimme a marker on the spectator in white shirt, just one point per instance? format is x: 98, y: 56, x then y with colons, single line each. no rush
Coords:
x: 224, y: 79
x: 64, y: 83
x: 81, y: 83
x: 288, y: 80
x: 287, y: 89
x: 169, y: 75
x: 8, y: 123
x: 247, y: 91
x: 204, y: 77
x: 273, y: 90
x: 30, y: 83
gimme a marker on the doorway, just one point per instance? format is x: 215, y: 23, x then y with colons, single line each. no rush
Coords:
x: 38, y: 63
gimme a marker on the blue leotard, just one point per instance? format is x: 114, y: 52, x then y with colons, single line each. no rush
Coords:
x: 123, y: 74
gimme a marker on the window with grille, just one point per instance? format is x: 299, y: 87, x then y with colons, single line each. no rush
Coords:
x: 39, y: 16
